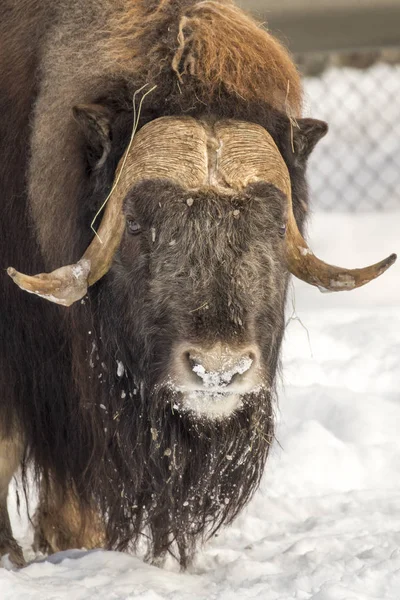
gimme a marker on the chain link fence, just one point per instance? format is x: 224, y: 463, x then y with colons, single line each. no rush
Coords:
x: 357, y: 166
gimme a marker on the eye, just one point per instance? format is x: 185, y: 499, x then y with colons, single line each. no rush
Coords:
x: 282, y: 230
x: 133, y: 226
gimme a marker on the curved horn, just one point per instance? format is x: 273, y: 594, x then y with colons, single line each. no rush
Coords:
x: 154, y: 153
x: 306, y: 266
x: 250, y: 154
x: 227, y: 156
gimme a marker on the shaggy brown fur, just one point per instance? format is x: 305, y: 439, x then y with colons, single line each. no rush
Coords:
x: 216, y: 44
x: 10, y: 457
x: 62, y: 522
x: 87, y: 428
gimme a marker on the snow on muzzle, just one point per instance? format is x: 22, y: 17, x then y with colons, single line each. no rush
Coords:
x: 212, y: 381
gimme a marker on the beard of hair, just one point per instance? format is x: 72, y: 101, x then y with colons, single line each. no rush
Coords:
x: 180, y: 477
x: 155, y: 471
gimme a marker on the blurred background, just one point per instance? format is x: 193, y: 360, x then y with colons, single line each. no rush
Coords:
x: 349, y: 54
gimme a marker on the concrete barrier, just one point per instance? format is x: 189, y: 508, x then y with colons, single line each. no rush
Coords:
x: 327, y: 25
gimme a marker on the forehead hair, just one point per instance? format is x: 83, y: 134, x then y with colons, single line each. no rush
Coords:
x: 155, y: 199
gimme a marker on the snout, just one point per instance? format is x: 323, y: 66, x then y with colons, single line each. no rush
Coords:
x: 218, y: 368
x: 213, y: 380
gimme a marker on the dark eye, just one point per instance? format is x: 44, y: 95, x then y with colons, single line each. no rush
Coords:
x: 133, y: 226
x: 282, y: 230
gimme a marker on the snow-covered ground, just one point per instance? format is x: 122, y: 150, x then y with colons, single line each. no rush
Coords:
x: 325, y: 524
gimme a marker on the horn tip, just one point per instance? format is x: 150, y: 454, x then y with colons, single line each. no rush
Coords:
x: 388, y: 262
x: 12, y: 272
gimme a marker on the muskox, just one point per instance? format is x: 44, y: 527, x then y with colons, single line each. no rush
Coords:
x: 174, y: 126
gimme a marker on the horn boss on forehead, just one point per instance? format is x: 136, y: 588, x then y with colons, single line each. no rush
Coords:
x: 225, y: 156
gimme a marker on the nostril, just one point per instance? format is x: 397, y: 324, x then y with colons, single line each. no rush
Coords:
x: 197, y: 368
x: 193, y: 365
x: 244, y: 364
x: 242, y: 367
x: 191, y: 360
x: 252, y: 357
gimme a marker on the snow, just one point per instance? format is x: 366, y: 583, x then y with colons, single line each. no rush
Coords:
x: 210, y: 405
x: 219, y: 394
x: 325, y: 523
x: 120, y: 369
x: 218, y: 380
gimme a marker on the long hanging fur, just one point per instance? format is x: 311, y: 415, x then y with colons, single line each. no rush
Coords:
x: 88, y: 429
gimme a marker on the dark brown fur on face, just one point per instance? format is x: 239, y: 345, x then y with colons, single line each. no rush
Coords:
x: 200, y: 249
x: 114, y: 437
x: 193, y: 274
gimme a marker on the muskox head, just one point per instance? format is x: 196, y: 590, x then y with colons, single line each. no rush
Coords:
x: 202, y: 215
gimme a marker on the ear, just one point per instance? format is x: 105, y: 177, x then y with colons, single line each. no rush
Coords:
x: 305, y: 137
x: 94, y: 121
